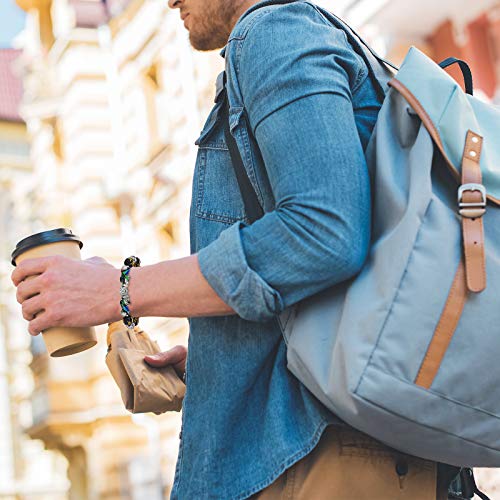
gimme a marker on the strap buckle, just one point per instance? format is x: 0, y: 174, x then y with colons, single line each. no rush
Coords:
x: 472, y: 209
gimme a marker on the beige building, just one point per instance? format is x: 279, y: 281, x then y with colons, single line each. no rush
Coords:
x: 26, y: 469
x: 114, y: 98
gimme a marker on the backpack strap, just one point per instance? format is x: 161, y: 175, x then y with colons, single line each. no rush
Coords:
x: 253, y: 207
x: 466, y: 72
x: 380, y: 69
x: 471, y: 272
x: 472, y: 206
x: 468, y: 485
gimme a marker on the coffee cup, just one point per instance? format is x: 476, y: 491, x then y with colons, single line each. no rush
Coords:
x: 60, y: 341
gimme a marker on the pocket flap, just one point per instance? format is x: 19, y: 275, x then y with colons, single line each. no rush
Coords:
x: 210, y: 123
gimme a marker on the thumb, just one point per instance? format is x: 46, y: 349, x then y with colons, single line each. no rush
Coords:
x: 169, y: 357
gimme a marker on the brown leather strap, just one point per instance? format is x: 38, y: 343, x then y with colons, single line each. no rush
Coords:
x: 472, y: 209
x: 471, y: 272
x: 445, y: 329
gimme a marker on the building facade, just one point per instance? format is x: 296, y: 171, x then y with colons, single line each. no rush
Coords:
x: 114, y: 98
x: 26, y: 468
x: 458, y: 28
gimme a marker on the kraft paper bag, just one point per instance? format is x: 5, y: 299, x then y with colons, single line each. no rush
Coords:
x: 143, y: 388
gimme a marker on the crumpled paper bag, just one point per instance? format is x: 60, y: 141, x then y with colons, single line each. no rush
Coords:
x: 143, y: 388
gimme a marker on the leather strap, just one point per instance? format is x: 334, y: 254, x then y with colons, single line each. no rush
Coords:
x: 471, y: 272
x: 444, y: 331
x: 472, y: 209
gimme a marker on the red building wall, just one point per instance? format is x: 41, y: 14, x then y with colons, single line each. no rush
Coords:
x: 481, y: 49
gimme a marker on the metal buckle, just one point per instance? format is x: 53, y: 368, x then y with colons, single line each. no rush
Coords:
x: 472, y: 209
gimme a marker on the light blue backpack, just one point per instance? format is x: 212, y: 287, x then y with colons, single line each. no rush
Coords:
x: 408, y: 351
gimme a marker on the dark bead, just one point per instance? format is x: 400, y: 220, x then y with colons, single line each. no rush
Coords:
x: 132, y: 261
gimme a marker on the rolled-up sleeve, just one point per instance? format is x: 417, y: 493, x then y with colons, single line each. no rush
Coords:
x: 297, y: 76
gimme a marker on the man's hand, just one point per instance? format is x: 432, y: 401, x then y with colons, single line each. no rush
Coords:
x: 67, y: 292
x: 175, y: 357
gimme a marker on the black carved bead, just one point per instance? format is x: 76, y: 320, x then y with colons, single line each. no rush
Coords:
x: 132, y: 261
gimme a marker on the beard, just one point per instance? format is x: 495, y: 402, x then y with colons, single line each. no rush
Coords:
x: 211, y: 30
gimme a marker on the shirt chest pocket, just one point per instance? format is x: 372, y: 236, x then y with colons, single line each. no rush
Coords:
x: 216, y: 194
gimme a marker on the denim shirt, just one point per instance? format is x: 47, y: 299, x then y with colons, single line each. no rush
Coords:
x: 302, y: 109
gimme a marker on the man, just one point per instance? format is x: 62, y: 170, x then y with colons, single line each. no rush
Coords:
x: 303, y: 107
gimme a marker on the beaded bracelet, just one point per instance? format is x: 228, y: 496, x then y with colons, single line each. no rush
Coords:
x: 129, y: 321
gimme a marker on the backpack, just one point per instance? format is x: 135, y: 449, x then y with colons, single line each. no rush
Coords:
x: 408, y: 350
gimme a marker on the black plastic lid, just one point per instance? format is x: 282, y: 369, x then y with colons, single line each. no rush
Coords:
x: 43, y: 238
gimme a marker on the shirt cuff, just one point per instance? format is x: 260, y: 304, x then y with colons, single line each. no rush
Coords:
x: 224, y: 265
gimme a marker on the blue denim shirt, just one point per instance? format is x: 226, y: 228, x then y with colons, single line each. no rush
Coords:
x: 302, y: 108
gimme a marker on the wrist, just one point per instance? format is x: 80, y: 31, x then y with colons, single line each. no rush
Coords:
x: 129, y: 320
x: 114, y: 310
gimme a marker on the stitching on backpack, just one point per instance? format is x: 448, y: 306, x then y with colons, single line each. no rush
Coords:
x: 434, y: 393
x: 396, y: 293
x: 436, y: 429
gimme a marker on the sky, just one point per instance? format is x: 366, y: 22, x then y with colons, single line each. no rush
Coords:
x: 11, y: 21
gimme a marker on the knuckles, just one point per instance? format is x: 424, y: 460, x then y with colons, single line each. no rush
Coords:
x: 33, y: 332
x: 55, y: 317
x: 47, y: 278
x: 26, y: 316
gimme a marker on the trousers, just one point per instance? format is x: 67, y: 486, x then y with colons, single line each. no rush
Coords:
x: 349, y: 465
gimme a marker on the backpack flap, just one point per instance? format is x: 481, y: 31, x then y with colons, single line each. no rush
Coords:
x: 449, y: 113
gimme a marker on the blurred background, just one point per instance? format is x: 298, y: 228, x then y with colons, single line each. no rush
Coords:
x: 100, y: 104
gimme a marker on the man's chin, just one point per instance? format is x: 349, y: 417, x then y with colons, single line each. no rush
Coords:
x: 203, y: 44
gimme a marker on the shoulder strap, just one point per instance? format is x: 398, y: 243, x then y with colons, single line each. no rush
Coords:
x: 380, y: 69
x: 253, y: 207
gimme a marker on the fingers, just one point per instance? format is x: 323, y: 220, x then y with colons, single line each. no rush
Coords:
x: 27, y: 289
x: 171, y: 357
x: 38, y: 324
x: 32, y: 307
x: 29, y: 267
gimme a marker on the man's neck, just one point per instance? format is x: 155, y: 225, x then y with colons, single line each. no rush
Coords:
x: 243, y: 7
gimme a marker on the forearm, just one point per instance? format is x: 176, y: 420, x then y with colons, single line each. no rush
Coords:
x: 174, y: 288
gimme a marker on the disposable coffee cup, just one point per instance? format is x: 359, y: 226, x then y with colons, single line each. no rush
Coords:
x: 59, y: 341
